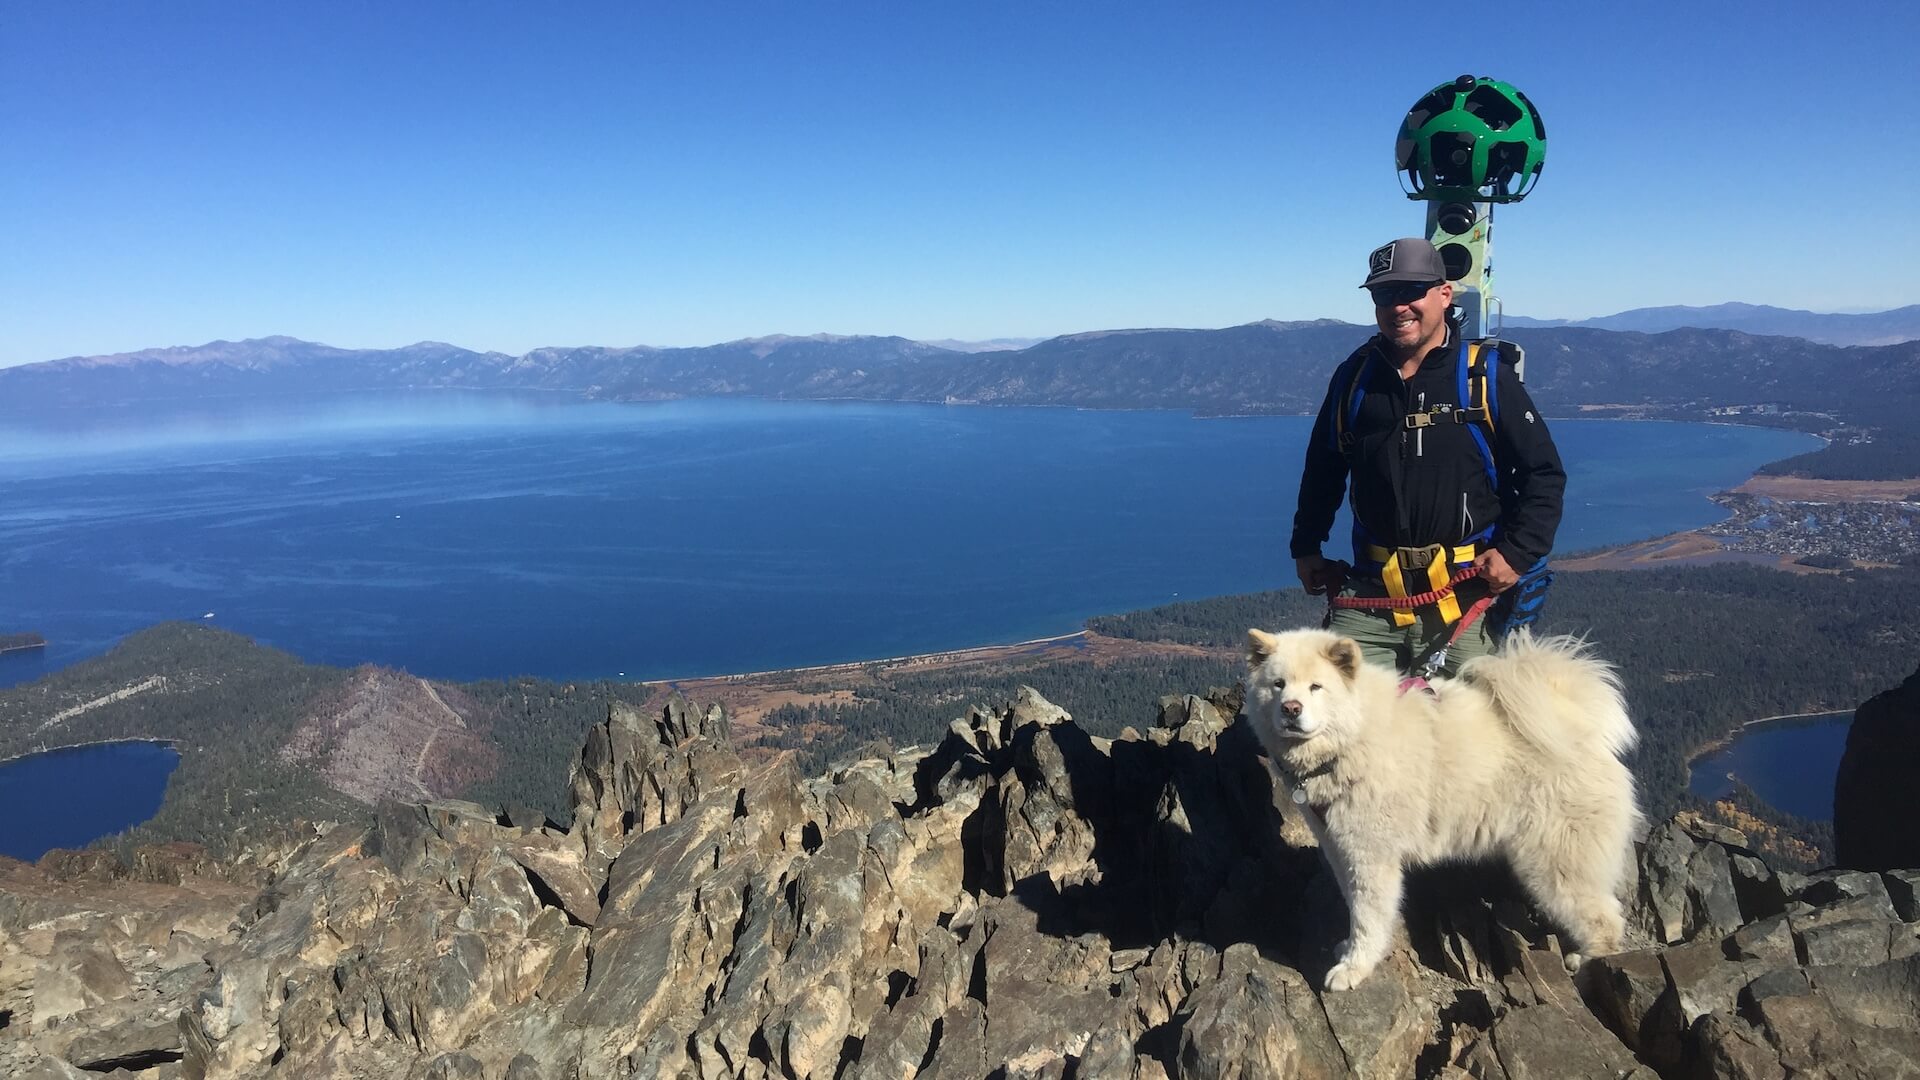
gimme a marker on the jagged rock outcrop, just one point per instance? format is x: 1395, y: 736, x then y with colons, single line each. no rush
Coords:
x: 1021, y: 900
x: 1873, y: 826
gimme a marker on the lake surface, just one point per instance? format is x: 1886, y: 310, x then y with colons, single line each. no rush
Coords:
x: 464, y: 536
x: 1789, y: 763
x: 72, y: 797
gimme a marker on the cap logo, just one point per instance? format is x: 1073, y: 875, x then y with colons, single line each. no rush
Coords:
x: 1381, y: 260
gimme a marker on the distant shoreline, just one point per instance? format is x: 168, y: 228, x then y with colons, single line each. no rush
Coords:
x: 1761, y: 721
x: 169, y: 743
x: 960, y: 655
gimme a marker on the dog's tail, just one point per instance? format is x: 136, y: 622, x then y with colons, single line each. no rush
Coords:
x: 1555, y: 694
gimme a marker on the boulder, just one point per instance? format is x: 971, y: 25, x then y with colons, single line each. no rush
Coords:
x: 1873, y: 790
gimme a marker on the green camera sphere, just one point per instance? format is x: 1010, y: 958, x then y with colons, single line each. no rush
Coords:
x: 1471, y: 139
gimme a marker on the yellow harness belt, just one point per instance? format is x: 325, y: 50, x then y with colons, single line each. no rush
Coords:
x: 1430, y: 568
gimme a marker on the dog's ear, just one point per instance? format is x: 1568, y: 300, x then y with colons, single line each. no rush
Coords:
x: 1260, y: 645
x: 1345, y: 655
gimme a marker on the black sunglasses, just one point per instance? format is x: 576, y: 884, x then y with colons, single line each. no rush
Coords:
x: 1395, y: 295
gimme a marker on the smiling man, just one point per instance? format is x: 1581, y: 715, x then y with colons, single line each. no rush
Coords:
x: 1437, y: 478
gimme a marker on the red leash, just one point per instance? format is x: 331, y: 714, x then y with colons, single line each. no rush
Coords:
x: 1401, y: 603
x: 1438, y: 659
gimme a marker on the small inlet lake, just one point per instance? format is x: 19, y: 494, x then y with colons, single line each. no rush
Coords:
x: 70, y: 797
x: 1790, y: 763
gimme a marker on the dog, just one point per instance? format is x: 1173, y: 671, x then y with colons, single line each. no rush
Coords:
x: 1517, y: 756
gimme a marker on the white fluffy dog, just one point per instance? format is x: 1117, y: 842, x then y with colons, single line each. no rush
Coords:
x: 1518, y: 756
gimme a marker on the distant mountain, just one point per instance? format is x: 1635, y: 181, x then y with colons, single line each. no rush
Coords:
x: 1876, y: 328
x: 1263, y: 367
x: 778, y: 366
x: 999, y: 344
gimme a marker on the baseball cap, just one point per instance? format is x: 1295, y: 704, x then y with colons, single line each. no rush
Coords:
x: 1410, y: 260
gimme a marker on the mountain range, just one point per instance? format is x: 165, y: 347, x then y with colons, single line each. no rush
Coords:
x: 1872, y: 328
x: 1258, y: 368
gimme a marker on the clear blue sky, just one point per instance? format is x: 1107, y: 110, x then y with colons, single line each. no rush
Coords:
x: 510, y: 175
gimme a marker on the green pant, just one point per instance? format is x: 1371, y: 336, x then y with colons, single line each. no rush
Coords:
x: 1404, y: 647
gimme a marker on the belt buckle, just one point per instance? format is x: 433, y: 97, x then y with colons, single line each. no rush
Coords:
x: 1418, y: 558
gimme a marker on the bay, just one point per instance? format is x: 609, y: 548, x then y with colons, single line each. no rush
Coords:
x: 69, y: 797
x: 473, y: 535
x: 1789, y: 763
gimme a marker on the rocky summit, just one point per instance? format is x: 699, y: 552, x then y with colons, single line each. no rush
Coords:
x: 1021, y: 900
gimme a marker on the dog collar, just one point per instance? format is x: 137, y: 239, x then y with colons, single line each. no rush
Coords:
x: 1298, y: 781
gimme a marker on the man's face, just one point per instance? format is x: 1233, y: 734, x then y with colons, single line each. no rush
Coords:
x: 1412, y: 318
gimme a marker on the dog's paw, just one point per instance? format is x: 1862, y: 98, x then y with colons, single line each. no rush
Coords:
x: 1346, y: 975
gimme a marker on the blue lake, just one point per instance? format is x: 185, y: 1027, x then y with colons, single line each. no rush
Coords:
x: 69, y: 798
x: 465, y: 536
x: 1789, y: 763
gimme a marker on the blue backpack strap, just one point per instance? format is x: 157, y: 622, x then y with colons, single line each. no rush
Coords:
x: 1490, y: 360
x: 1348, y: 413
x: 1477, y: 402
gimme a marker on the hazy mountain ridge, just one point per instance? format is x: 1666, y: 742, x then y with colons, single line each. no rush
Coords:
x: 1263, y: 367
x: 773, y: 366
x: 1869, y: 328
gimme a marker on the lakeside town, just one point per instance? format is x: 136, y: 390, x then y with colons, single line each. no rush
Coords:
x: 1824, y: 524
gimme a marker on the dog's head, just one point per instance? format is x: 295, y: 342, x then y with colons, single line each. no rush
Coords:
x: 1299, y: 682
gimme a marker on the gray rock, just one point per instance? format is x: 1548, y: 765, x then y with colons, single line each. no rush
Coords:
x: 131, y: 1044
x: 1757, y: 886
x: 961, y: 1053
x: 1903, y: 891
x: 48, y: 1068
x: 524, y: 1067
x: 1767, y: 939
x: 1722, y: 1045
x: 1257, y: 1019
x: 1780, y: 982
x: 1637, y: 1002
x: 1713, y: 899
x: 1546, y: 1043
x: 1855, y: 942
x: 1664, y: 862
x: 1826, y: 887
x: 1885, y: 997
x: 1382, y: 1025
x: 454, y: 1066
x: 80, y: 973
x: 1813, y: 1039
x: 1044, y: 994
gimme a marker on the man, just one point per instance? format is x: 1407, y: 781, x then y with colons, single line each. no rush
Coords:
x: 1427, y: 498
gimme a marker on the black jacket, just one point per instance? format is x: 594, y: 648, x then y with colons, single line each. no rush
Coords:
x: 1411, y: 488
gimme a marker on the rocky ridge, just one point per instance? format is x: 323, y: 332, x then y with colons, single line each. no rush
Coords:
x: 1021, y: 900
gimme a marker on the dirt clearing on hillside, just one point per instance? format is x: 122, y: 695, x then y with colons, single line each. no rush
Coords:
x: 748, y: 698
